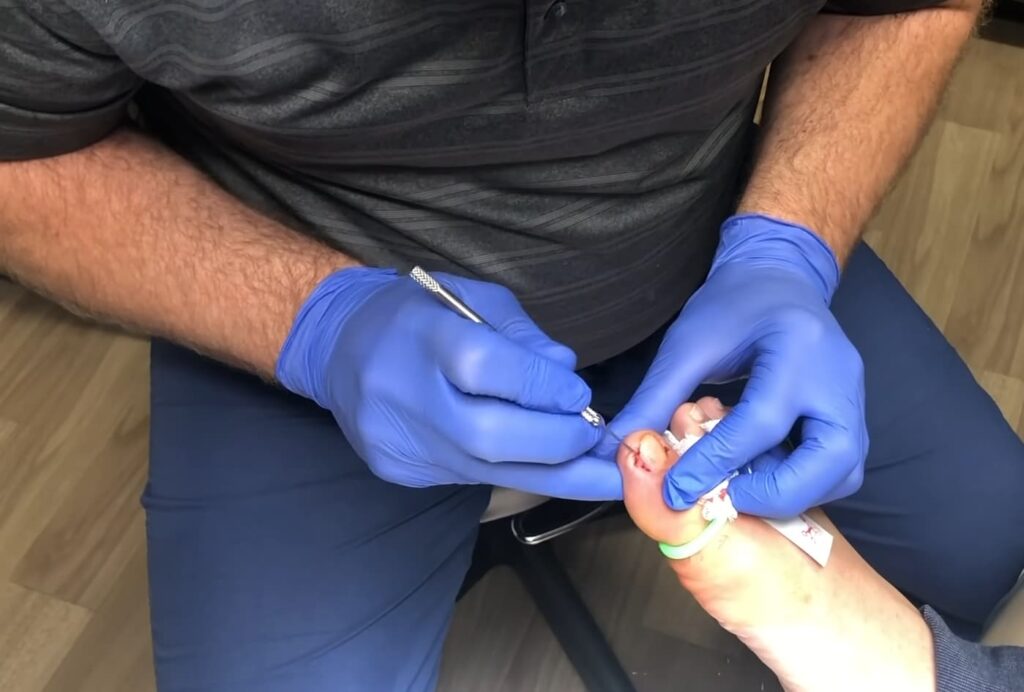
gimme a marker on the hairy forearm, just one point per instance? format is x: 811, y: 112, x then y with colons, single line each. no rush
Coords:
x: 127, y: 231
x: 846, y: 105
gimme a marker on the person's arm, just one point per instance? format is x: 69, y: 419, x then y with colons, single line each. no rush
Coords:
x: 127, y: 231
x: 111, y: 223
x: 846, y: 105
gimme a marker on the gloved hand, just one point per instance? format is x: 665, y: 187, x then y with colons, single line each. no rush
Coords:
x: 764, y: 311
x: 427, y: 397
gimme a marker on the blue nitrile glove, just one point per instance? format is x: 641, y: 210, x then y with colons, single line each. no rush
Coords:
x: 764, y: 311
x: 427, y: 397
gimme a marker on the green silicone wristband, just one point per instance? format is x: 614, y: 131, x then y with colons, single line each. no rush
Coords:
x: 681, y: 552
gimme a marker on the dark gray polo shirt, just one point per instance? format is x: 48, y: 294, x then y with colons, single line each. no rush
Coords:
x: 581, y: 152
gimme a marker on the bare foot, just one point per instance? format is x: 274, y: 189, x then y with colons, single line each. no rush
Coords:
x: 644, y: 473
x: 841, y: 627
x: 706, y: 574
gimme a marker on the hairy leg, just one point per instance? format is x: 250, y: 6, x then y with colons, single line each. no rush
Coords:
x: 834, y: 628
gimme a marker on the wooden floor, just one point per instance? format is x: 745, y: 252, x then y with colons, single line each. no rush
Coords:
x: 73, y: 417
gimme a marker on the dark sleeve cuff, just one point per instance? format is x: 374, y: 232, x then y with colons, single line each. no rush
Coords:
x: 962, y: 666
x: 875, y: 7
x: 30, y: 135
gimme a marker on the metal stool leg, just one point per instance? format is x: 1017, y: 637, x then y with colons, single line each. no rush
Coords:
x: 566, y: 613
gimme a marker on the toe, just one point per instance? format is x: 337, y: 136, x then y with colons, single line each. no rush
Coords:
x: 686, y: 421
x: 712, y: 407
x: 691, y: 419
x: 642, y: 478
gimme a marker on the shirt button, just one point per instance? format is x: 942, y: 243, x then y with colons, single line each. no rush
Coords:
x: 557, y: 10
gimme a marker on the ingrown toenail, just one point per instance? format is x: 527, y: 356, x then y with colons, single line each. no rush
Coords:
x: 697, y: 414
x: 638, y: 462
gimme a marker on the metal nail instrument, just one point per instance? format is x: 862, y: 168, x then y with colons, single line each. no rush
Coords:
x: 445, y: 296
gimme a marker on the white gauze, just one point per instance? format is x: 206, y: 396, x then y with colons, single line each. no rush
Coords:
x: 807, y: 534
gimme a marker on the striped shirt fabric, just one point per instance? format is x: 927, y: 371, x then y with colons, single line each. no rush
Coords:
x: 581, y: 152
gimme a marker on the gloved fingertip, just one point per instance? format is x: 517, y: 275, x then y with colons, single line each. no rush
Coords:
x: 611, y: 441
x: 561, y: 354
x: 575, y: 396
x: 750, y: 496
x: 675, y: 497
x: 607, y: 447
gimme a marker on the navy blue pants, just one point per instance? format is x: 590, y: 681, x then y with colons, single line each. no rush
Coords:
x: 278, y: 563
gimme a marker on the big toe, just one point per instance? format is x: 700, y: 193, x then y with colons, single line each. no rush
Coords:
x: 643, y: 473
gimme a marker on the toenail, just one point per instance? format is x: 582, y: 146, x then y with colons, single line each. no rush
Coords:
x: 638, y: 461
x: 650, y: 449
x: 697, y: 413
